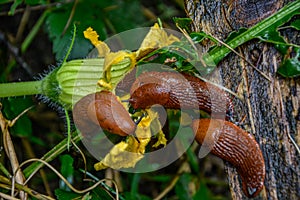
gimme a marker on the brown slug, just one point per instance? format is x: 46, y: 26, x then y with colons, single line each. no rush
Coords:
x: 105, y: 110
x: 178, y: 91
x: 229, y: 142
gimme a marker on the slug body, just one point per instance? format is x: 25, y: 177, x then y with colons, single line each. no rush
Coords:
x: 105, y: 110
x: 177, y: 91
x: 236, y: 146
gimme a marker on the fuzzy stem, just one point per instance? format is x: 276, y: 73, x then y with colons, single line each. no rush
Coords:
x: 20, y: 88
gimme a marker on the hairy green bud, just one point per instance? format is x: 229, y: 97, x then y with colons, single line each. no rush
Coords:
x: 78, y: 78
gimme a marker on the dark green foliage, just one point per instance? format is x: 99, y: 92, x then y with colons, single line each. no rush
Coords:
x: 103, y: 16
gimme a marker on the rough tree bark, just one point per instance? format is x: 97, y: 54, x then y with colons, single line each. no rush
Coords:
x: 271, y: 108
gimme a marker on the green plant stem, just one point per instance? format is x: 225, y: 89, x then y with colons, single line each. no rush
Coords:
x: 219, y: 52
x: 24, y: 188
x: 34, y: 31
x: 20, y: 88
x: 4, y: 170
x: 135, y: 185
x: 50, y: 155
x: 103, y: 184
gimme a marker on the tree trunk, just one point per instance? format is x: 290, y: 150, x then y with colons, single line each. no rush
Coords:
x: 270, y: 109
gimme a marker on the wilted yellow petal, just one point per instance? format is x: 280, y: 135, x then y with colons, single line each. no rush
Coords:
x: 99, y: 166
x: 156, y: 126
x: 122, y: 155
x: 143, y: 133
x: 156, y: 38
x: 127, y: 153
x: 92, y: 35
x: 143, y: 130
x: 102, y: 83
x: 103, y: 49
x: 116, y: 59
x: 161, y: 139
x: 148, y: 123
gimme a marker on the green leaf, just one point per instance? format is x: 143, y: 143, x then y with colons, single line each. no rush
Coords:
x: 184, y: 55
x: 14, y: 7
x: 291, y: 67
x: 164, y: 178
x: 135, y: 184
x: 5, y: 1
x: 121, y: 18
x: 198, y: 36
x: 203, y: 192
x: 193, y: 160
x: 50, y: 155
x: 66, y: 195
x: 13, y: 106
x: 95, y: 194
x: 103, y: 16
x: 264, y: 27
x: 174, y: 122
x: 100, y: 193
x: 83, y: 18
x: 66, y: 170
x: 278, y: 19
x: 273, y: 36
x: 234, y: 34
x: 183, y: 23
x: 129, y: 196
x: 296, y: 24
x: 35, y: 2
x: 182, y: 189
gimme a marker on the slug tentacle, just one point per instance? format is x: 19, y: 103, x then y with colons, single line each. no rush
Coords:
x: 236, y: 146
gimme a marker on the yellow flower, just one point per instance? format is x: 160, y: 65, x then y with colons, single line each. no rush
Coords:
x: 127, y: 153
x: 122, y: 155
x: 113, y: 59
x: 92, y: 35
x: 117, y: 60
x: 156, y: 38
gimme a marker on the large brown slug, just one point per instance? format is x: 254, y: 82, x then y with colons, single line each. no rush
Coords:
x: 236, y: 146
x: 178, y: 91
x: 103, y: 109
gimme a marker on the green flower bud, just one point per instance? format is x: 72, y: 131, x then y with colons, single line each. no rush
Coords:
x: 78, y: 78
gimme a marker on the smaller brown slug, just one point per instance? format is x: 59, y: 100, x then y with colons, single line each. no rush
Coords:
x: 231, y: 143
x: 178, y: 91
x: 105, y: 110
